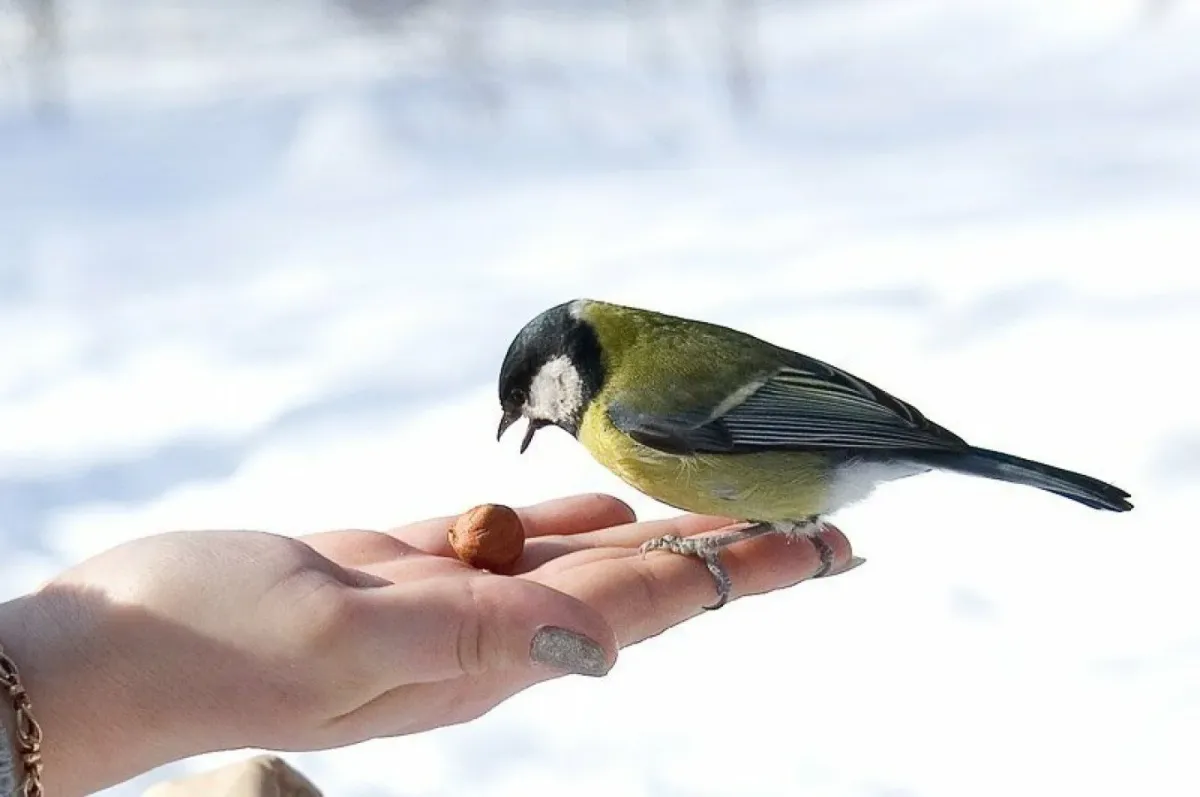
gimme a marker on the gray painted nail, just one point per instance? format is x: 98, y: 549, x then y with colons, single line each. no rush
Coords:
x: 566, y: 650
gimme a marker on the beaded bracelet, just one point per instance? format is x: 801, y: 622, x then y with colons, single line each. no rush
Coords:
x: 28, y: 745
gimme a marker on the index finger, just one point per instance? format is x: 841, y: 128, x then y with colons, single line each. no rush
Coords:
x: 576, y: 514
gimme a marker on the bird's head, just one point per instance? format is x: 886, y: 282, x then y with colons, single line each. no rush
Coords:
x: 551, y: 373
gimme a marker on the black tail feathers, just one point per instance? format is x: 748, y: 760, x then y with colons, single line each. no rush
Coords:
x: 1005, y: 467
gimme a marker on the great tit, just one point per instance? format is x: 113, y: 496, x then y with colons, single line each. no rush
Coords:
x: 714, y: 421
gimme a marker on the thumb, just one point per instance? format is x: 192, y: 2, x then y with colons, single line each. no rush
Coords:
x: 466, y: 626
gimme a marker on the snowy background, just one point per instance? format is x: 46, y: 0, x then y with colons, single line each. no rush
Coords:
x: 262, y: 255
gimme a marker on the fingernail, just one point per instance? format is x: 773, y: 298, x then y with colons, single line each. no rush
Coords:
x: 854, y: 562
x: 566, y: 650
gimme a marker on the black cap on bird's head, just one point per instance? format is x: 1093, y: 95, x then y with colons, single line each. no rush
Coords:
x: 552, y: 371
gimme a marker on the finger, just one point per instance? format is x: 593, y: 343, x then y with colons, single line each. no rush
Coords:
x: 357, y: 548
x: 629, y: 536
x: 572, y: 515
x: 541, y: 551
x: 468, y: 624
x: 575, y: 514
x: 643, y: 596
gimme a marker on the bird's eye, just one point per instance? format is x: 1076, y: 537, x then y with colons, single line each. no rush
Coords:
x: 518, y: 396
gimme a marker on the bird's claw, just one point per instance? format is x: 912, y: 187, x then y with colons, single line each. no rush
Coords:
x: 825, y: 552
x: 707, y: 550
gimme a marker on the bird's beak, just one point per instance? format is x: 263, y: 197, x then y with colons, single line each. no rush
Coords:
x: 530, y: 431
x: 506, y: 420
x: 509, y: 418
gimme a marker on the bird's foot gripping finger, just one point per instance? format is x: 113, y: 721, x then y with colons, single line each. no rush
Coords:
x: 810, y: 529
x: 708, y: 550
x: 825, y: 551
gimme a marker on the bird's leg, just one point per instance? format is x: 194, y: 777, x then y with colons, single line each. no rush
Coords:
x: 708, y: 549
x: 810, y: 527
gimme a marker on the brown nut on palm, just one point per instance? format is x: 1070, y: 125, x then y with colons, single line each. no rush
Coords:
x: 488, y: 537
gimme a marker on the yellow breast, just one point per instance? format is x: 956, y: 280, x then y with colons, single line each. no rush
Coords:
x: 766, y: 487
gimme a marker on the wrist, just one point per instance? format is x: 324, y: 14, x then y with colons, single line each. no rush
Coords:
x: 20, y: 735
x: 80, y: 696
x: 11, y: 771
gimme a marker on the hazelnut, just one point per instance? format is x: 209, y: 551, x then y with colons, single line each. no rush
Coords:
x: 488, y: 537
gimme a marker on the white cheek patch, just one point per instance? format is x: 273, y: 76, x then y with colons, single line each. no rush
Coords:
x: 556, y: 393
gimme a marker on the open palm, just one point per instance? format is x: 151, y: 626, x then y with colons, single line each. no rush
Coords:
x: 227, y: 639
x: 581, y: 560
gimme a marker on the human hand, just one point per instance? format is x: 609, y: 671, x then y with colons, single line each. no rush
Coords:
x: 191, y: 642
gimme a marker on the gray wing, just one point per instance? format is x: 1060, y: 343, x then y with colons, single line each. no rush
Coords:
x: 805, y: 405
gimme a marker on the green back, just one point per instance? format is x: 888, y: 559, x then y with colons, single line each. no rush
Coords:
x: 662, y: 363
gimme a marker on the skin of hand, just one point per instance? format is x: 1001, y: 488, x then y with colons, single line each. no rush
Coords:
x: 190, y: 642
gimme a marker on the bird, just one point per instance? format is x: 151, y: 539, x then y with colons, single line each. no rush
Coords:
x: 711, y: 420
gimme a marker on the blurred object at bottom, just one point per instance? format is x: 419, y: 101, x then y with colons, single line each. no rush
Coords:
x: 260, y: 776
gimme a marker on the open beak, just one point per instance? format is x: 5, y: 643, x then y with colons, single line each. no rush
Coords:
x: 530, y: 431
x: 509, y: 418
